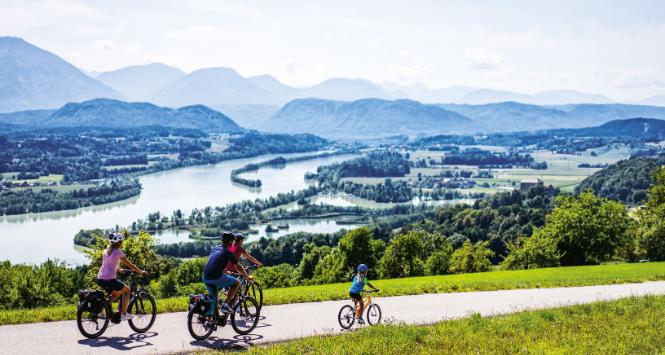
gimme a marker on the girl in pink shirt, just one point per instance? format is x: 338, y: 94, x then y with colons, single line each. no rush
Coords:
x: 107, y: 276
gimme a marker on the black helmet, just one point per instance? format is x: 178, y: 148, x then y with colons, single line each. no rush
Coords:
x: 239, y: 236
x: 228, y: 237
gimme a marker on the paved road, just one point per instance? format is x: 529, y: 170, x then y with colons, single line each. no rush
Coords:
x: 169, y: 334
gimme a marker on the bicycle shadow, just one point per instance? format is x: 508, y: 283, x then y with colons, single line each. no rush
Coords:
x: 131, y: 342
x: 237, y: 343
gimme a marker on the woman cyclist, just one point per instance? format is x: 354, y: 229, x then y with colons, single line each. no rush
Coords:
x: 107, y: 276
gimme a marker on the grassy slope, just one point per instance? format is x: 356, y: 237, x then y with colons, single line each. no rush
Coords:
x: 627, y: 326
x: 495, y: 280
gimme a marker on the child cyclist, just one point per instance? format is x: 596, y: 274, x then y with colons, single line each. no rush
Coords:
x: 357, y: 287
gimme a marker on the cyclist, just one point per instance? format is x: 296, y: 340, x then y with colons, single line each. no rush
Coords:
x: 112, y: 256
x: 357, y: 286
x: 214, y: 277
x: 239, y: 251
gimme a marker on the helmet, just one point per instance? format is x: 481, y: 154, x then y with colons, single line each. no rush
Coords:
x: 116, y: 237
x: 239, y: 236
x: 363, y: 267
x: 228, y: 237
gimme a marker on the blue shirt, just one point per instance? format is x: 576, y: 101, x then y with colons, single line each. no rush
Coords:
x: 358, y: 283
x: 219, y: 257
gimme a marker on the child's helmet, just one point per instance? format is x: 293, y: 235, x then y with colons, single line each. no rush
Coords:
x: 363, y: 267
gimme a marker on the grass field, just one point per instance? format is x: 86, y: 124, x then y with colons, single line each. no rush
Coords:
x: 626, y: 326
x: 487, y: 281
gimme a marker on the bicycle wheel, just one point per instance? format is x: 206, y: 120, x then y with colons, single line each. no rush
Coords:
x: 245, y: 316
x: 373, y: 314
x: 196, y: 324
x: 144, y: 310
x: 92, y: 325
x: 346, y: 316
x: 254, y: 291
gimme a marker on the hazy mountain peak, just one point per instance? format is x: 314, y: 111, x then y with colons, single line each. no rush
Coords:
x: 31, y: 77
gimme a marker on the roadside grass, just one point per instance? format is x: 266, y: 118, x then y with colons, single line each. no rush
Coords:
x: 627, y: 326
x: 487, y: 281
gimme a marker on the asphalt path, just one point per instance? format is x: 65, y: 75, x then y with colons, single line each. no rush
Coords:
x: 279, y: 323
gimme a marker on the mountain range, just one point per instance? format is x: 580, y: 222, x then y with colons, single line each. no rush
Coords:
x: 108, y: 113
x: 362, y: 118
x: 32, y: 78
x: 644, y: 128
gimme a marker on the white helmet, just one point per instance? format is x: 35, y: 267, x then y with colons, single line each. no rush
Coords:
x: 116, y: 237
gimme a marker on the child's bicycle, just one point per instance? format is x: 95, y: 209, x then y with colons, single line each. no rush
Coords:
x: 347, y: 315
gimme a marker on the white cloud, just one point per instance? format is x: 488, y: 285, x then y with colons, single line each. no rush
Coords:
x: 639, y: 80
x: 483, y: 59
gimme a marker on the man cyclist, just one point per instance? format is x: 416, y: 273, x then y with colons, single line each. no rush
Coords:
x: 238, y: 250
x: 214, y: 277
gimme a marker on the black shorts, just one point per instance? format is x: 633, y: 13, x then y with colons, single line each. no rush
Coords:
x: 110, y: 285
x: 356, y: 296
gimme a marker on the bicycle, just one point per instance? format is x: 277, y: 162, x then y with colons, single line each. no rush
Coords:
x: 251, y: 288
x: 347, y: 314
x: 94, y: 310
x: 244, y: 318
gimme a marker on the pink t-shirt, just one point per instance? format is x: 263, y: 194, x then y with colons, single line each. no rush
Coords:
x: 110, y: 264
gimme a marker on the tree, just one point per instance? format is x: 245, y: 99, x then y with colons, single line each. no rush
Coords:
x: 312, y: 255
x: 404, y: 255
x: 439, y: 262
x: 587, y: 229
x: 471, y: 258
x: 359, y: 247
x: 281, y: 275
x: 532, y: 252
x: 651, y: 233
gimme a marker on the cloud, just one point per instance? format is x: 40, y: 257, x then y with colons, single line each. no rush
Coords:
x: 641, y: 79
x: 483, y: 59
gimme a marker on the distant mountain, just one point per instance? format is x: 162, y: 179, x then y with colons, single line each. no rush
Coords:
x: 422, y: 93
x: 140, y: 82
x: 34, y: 78
x: 107, y: 113
x: 510, y: 116
x: 213, y: 87
x: 658, y: 100
x: 644, y: 128
x: 280, y: 90
x: 561, y: 97
x: 363, y: 118
x: 343, y: 89
x: 249, y: 116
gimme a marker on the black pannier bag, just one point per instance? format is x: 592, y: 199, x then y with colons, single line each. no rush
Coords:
x: 91, y: 300
x: 200, y: 303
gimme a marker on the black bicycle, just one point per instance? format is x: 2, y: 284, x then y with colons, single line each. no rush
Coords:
x: 251, y: 288
x: 94, y: 310
x: 244, y: 316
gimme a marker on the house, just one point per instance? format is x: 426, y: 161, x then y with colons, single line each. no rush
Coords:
x: 527, y: 184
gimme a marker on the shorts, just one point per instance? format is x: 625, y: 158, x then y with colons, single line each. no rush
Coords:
x: 355, y: 296
x: 112, y: 284
x: 221, y: 282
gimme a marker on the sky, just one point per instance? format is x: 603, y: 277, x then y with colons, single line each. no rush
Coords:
x: 615, y: 48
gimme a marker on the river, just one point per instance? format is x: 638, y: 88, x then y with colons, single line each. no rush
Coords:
x: 33, y: 238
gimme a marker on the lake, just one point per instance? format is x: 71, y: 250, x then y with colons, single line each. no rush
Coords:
x: 33, y: 238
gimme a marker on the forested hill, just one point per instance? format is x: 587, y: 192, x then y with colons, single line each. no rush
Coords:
x: 644, y: 128
x: 626, y: 181
x: 107, y: 113
x: 363, y: 118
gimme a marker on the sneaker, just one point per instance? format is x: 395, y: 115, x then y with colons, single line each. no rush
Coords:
x: 225, y: 308
x: 127, y: 316
x: 360, y: 320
